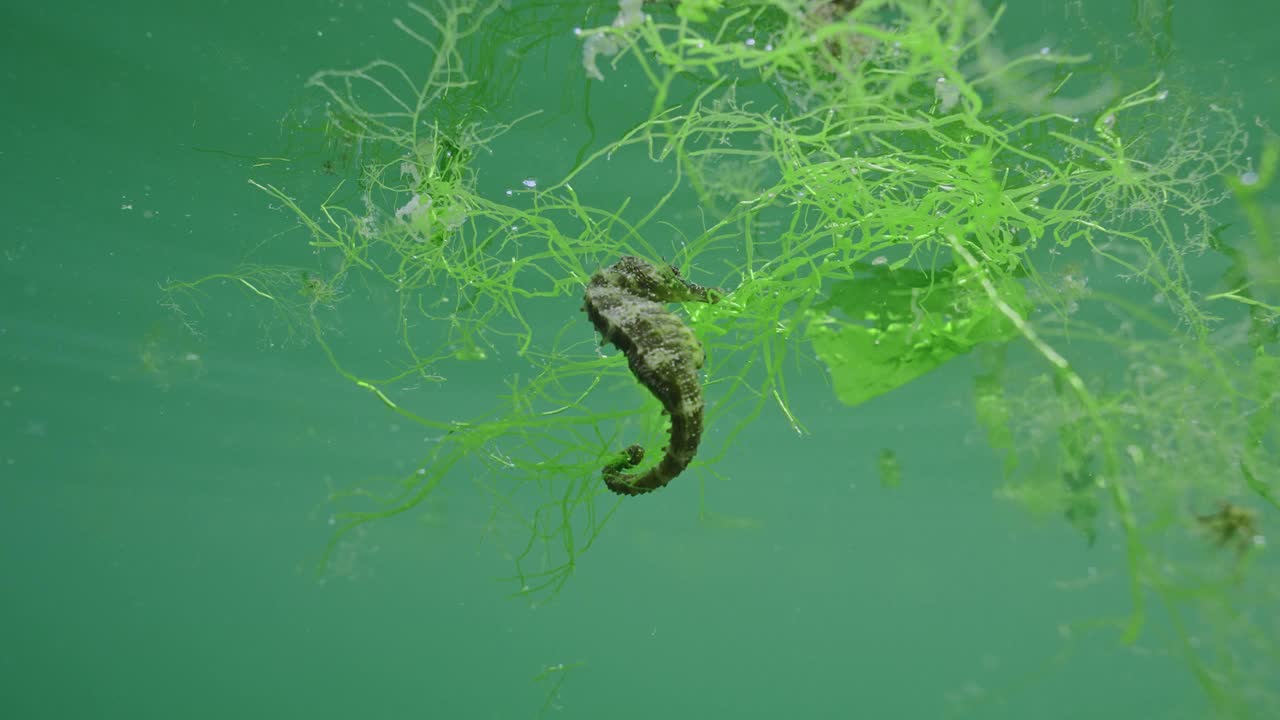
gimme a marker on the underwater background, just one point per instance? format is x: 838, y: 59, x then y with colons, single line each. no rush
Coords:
x: 299, y: 415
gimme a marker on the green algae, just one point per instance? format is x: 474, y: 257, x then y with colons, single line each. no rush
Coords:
x: 881, y: 190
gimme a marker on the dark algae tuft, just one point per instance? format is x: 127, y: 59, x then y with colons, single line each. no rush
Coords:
x: 625, y: 303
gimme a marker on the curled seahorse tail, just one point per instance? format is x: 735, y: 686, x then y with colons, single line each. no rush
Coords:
x: 617, y: 479
x: 627, y: 459
x: 685, y: 434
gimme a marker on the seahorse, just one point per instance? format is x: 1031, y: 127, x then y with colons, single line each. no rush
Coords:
x: 626, y: 302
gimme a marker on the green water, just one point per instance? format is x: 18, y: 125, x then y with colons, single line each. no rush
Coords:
x: 255, y: 467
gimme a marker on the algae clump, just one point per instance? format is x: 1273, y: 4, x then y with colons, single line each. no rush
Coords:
x: 879, y: 189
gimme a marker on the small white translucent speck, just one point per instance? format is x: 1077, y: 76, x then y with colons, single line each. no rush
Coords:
x: 1163, y: 94
x: 751, y: 42
x: 530, y: 183
x: 1044, y: 51
x: 508, y: 193
x: 768, y: 46
x: 577, y: 31
x: 1249, y: 178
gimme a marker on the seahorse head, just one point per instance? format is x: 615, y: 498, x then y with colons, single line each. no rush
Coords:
x: 660, y: 283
